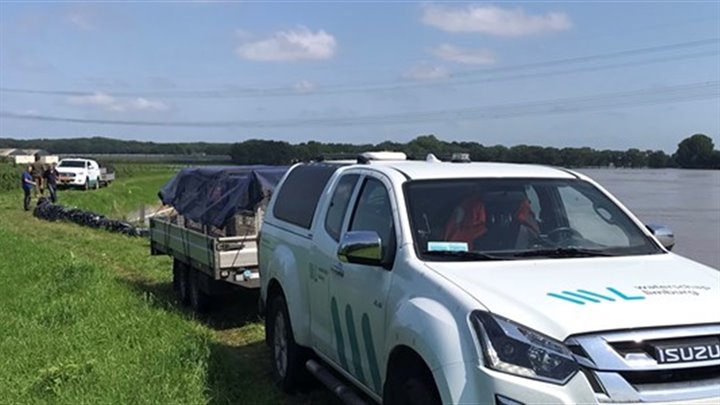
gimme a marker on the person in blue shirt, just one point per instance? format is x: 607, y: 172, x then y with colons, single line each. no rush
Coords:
x: 27, y: 184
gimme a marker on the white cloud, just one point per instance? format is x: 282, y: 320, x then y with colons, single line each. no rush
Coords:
x: 304, y: 86
x: 297, y: 44
x: 143, y: 104
x: 97, y: 99
x: 453, y: 53
x: 493, y: 20
x: 110, y: 103
x: 427, y: 72
x: 82, y: 18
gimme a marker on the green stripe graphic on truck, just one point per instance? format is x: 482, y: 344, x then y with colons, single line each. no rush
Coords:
x: 370, y: 347
x: 340, y: 343
x: 354, y: 345
x: 357, y: 362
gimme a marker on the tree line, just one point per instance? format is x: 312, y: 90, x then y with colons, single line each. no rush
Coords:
x: 101, y: 145
x: 696, y: 151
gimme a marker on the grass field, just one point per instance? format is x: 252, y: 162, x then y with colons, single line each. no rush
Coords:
x: 89, y: 317
x: 121, y: 197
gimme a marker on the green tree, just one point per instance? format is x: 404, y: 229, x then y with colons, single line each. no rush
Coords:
x: 636, y: 158
x: 257, y: 151
x: 658, y: 159
x: 695, y: 152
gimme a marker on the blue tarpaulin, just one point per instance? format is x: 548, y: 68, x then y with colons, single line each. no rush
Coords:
x: 212, y: 195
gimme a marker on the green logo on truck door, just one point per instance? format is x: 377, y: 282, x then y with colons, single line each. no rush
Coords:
x: 357, y: 358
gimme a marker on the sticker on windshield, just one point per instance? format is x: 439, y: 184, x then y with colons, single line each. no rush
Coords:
x: 447, y: 247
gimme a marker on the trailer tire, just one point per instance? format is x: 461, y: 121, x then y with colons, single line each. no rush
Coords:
x: 180, y: 282
x: 199, y: 299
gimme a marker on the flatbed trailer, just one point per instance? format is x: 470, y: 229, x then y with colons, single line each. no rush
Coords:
x: 205, y: 266
x: 106, y: 176
x: 232, y: 259
x: 214, y: 248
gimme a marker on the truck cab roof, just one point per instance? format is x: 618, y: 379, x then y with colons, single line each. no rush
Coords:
x: 429, y: 170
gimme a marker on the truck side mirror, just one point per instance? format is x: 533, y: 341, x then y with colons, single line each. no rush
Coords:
x: 361, y: 247
x: 663, y: 234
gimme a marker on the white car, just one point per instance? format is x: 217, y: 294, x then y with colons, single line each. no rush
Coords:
x: 84, y: 173
x: 480, y: 283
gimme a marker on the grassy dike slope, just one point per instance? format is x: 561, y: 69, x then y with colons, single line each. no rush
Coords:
x: 87, y: 316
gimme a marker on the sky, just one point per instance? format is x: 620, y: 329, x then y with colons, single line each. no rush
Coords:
x: 609, y: 75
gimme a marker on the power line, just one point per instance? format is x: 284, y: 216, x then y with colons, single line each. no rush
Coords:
x: 678, y: 93
x: 460, y: 78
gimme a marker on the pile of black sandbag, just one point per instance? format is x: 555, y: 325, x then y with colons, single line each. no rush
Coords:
x: 55, y: 212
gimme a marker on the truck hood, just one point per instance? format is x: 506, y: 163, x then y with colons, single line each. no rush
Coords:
x: 563, y: 297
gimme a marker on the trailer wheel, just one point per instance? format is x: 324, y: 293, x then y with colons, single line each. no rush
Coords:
x: 199, y: 300
x: 180, y: 282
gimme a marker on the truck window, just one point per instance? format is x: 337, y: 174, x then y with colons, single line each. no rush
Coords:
x: 298, y: 196
x: 373, y: 212
x: 71, y: 163
x: 338, y: 205
x: 593, y: 222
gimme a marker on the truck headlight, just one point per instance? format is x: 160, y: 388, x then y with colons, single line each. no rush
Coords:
x: 516, y: 349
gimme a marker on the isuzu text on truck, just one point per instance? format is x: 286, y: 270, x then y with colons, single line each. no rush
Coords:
x: 422, y: 282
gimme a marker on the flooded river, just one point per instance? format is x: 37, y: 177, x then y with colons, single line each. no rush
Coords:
x: 688, y: 201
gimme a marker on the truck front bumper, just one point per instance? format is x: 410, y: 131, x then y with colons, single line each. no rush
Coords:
x: 470, y: 383
x: 71, y: 182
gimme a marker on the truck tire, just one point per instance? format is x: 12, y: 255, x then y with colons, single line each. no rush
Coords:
x: 180, y: 282
x: 87, y: 184
x: 288, y: 359
x: 97, y: 184
x: 413, y: 385
x: 199, y: 300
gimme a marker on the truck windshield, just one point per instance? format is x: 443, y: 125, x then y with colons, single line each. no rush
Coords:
x: 512, y: 219
x: 72, y: 163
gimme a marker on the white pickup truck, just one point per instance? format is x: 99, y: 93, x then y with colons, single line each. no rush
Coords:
x: 480, y: 283
x: 83, y: 173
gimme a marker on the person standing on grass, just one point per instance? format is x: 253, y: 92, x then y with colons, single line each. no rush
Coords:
x: 38, y: 168
x: 27, y: 184
x: 50, y: 176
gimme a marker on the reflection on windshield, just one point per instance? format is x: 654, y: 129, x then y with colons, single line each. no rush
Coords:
x: 519, y: 218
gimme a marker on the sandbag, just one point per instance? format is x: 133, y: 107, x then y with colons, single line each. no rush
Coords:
x: 46, y: 210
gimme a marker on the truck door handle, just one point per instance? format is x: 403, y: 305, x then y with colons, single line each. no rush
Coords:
x: 337, y: 268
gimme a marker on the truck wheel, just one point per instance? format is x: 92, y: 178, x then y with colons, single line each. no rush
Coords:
x: 199, y: 300
x: 413, y: 385
x: 288, y: 360
x: 180, y: 282
x: 97, y: 183
x: 87, y: 184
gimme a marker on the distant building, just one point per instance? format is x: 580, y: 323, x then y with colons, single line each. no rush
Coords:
x: 27, y: 156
